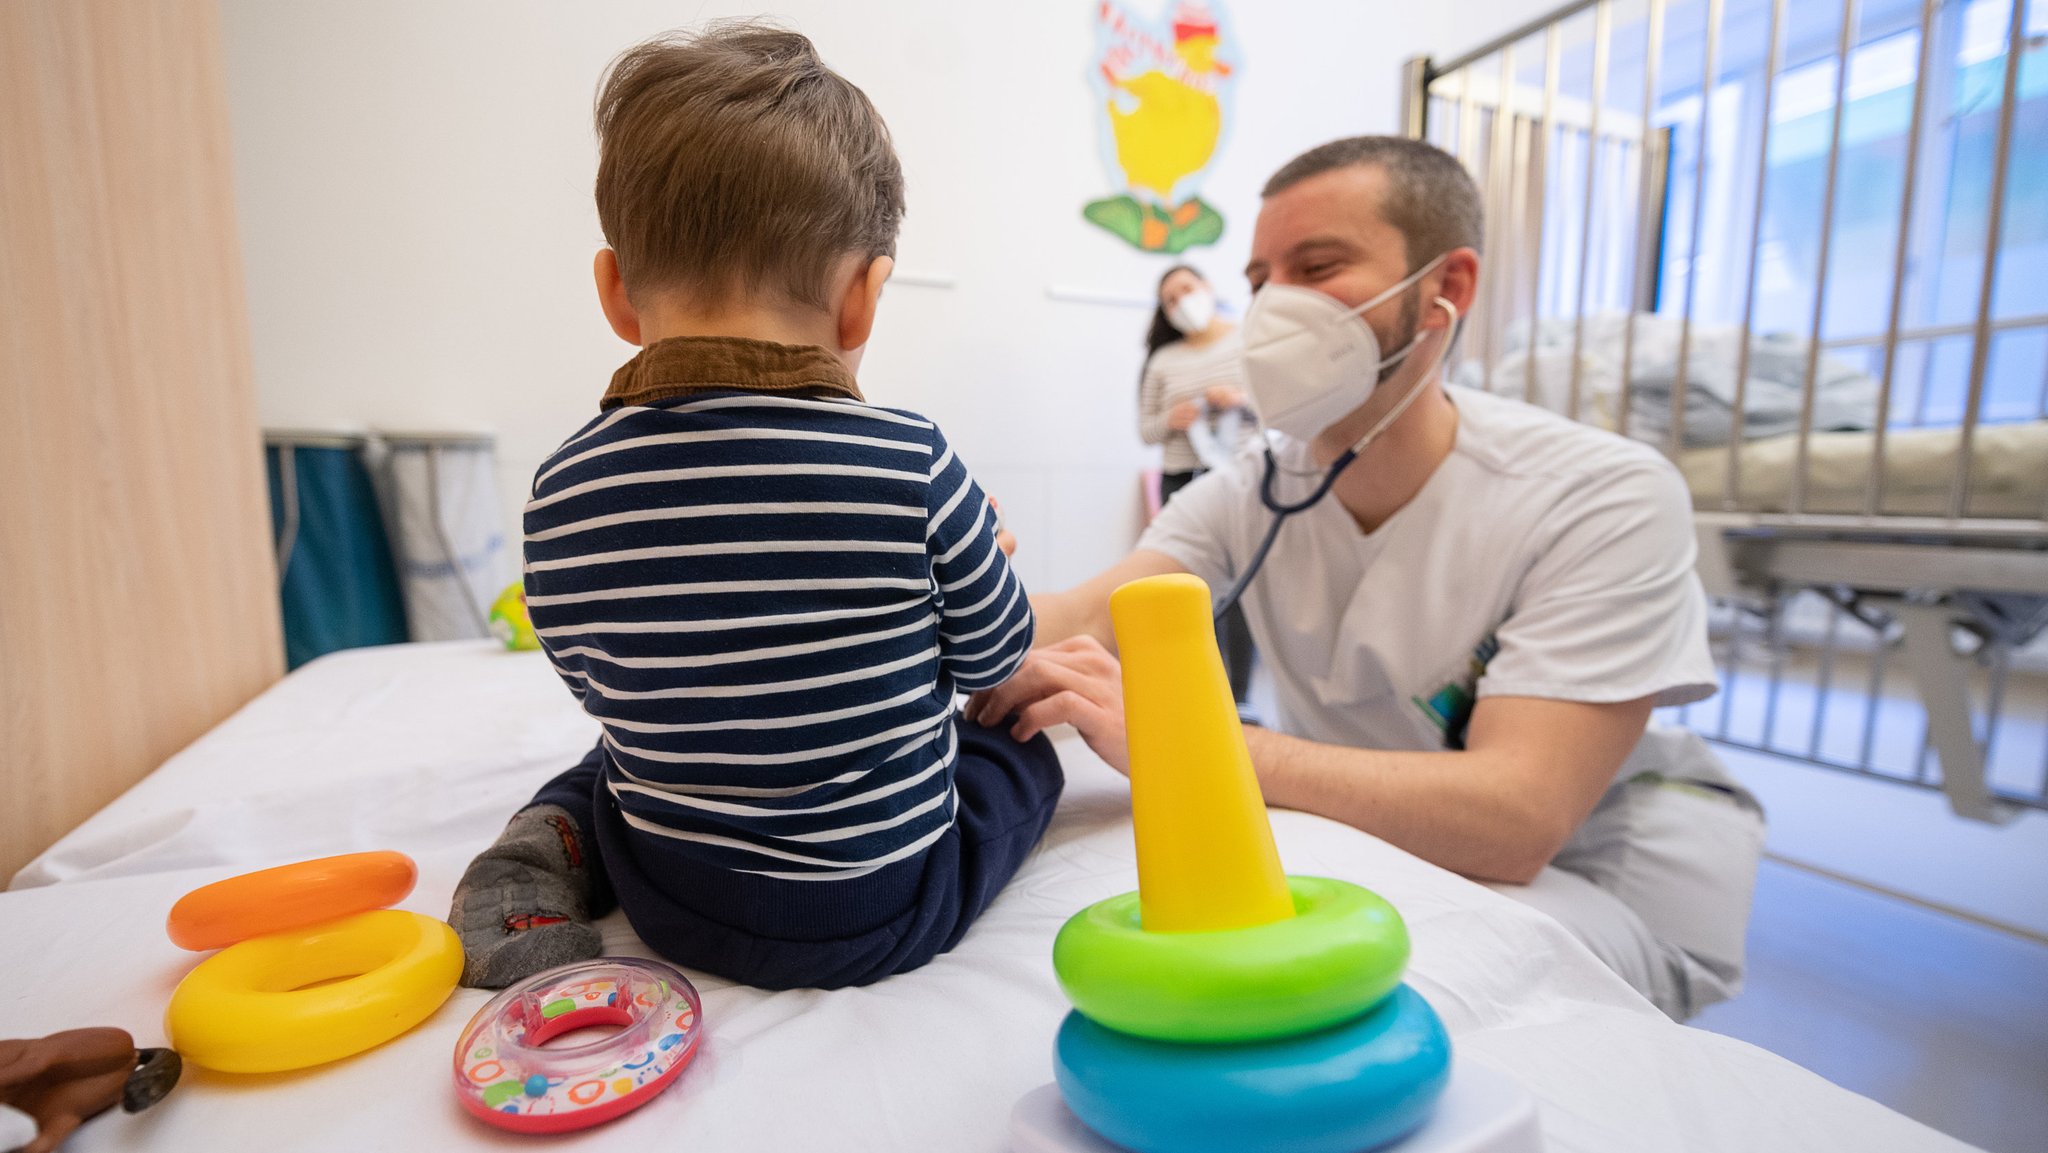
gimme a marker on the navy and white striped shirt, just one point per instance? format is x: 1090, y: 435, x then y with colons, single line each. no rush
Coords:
x: 769, y: 601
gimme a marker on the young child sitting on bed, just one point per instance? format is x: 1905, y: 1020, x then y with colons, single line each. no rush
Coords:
x: 766, y: 589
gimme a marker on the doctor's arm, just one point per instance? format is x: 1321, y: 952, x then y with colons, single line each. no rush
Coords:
x: 1083, y: 611
x: 1497, y: 810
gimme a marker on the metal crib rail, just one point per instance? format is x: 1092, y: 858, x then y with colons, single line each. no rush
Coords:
x: 1994, y: 234
x: 1774, y: 58
x: 1933, y: 597
x: 1796, y: 504
x: 1873, y: 493
x: 1518, y: 167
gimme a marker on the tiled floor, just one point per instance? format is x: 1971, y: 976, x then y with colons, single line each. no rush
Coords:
x: 1940, y: 1019
x: 1824, y: 708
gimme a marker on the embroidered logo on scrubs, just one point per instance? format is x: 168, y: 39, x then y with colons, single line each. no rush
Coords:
x: 1450, y: 707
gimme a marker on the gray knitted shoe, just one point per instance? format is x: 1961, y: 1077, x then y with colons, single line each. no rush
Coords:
x: 524, y: 904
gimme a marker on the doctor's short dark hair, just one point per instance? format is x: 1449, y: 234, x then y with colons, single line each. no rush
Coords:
x: 732, y: 163
x: 1430, y: 199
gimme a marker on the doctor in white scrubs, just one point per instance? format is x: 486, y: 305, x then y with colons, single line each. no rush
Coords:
x: 1468, y: 634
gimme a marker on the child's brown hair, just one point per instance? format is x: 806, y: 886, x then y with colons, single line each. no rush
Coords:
x: 733, y: 163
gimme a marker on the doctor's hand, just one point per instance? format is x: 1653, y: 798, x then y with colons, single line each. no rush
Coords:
x: 1074, y: 682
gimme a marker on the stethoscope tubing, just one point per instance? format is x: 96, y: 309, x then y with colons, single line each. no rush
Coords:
x: 1281, y: 511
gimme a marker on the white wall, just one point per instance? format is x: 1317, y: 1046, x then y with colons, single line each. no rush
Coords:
x: 414, y: 195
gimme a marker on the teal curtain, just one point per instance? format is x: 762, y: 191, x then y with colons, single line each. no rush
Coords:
x: 338, y: 582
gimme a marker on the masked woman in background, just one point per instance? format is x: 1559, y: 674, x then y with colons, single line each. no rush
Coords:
x: 1192, y: 403
x: 1191, y: 398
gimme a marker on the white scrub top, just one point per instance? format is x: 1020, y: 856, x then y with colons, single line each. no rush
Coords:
x: 1542, y: 558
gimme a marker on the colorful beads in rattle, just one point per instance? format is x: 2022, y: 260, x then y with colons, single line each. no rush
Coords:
x: 314, y: 968
x: 508, y: 1074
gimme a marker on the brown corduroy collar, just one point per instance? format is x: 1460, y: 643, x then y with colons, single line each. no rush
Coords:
x: 682, y: 365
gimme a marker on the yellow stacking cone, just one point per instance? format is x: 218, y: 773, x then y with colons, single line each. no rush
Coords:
x: 1206, y: 858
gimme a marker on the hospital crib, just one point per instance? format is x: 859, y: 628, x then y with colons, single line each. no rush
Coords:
x: 1799, y: 247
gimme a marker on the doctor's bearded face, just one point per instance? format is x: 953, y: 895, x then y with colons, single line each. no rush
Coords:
x: 1327, y: 233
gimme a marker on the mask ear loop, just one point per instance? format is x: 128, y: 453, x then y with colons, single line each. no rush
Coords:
x: 1416, y: 341
x: 1399, y: 287
x: 1396, y: 289
x: 1416, y: 389
x: 1443, y: 348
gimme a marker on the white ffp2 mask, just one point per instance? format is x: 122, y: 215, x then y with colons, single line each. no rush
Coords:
x: 1192, y: 312
x: 1309, y: 361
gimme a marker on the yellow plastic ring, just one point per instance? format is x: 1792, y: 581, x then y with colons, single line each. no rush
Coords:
x: 309, y: 996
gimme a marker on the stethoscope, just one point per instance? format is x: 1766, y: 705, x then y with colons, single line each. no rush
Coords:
x: 1282, y: 510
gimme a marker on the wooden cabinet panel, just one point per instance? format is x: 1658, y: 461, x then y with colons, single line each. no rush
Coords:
x: 137, y: 589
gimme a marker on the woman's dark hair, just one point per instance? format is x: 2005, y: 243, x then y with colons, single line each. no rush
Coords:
x: 1162, y: 332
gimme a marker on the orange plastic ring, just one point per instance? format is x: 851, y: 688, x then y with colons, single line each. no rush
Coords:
x: 289, y: 897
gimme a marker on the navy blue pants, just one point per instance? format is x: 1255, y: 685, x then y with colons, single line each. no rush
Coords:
x: 781, y: 934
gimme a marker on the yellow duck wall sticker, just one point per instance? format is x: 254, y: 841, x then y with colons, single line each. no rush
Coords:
x: 1164, y: 89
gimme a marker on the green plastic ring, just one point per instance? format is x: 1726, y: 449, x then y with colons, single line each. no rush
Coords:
x: 1340, y: 954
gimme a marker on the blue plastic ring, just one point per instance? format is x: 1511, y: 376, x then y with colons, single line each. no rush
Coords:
x: 1355, y: 1086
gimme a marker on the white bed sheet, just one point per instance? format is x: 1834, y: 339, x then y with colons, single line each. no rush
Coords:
x: 427, y: 748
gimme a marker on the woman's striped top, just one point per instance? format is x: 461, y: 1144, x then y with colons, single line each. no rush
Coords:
x: 769, y: 602
x: 1180, y: 371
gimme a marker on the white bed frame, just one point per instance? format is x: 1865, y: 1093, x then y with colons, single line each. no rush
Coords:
x: 1917, y: 584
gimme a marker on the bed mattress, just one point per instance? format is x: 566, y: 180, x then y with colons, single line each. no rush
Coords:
x: 428, y: 748
x: 2008, y: 473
